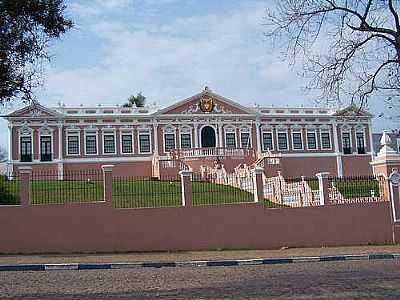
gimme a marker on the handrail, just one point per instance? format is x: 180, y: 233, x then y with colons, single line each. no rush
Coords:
x: 207, y: 152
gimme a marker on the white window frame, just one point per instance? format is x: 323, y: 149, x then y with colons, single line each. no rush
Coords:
x: 270, y: 131
x: 325, y: 130
x: 109, y: 131
x: 248, y: 131
x: 142, y: 131
x: 73, y: 132
x: 285, y: 131
x: 346, y: 129
x: 126, y: 132
x: 95, y: 132
x: 170, y: 130
x: 361, y: 129
x: 230, y: 130
x: 293, y: 131
x: 316, y: 139
x: 185, y: 130
x: 25, y: 131
x: 46, y: 131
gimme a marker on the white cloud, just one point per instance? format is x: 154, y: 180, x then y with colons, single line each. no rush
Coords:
x: 98, y: 7
x: 225, y: 51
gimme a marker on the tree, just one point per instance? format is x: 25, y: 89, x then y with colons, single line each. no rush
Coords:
x: 138, y: 101
x: 26, y: 29
x: 347, y: 48
x: 3, y: 154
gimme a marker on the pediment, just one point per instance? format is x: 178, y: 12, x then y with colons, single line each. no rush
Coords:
x: 205, y: 102
x: 34, y: 110
x: 352, y: 111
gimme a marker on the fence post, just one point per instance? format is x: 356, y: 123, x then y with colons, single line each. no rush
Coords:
x: 186, y: 183
x: 394, y: 181
x: 108, y: 183
x: 323, y: 183
x: 24, y: 185
x: 258, y: 184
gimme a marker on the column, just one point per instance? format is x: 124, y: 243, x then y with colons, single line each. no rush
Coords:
x: 371, y: 142
x: 221, y: 135
x: 323, y: 182
x: 107, y: 182
x: 196, y: 134
x: 258, y: 138
x: 187, y: 197
x: 10, y: 149
x: 339, y: 163
x: 24, y: 187
x: 60, y: 152
x: 258, y: 185
x: 155, y: 132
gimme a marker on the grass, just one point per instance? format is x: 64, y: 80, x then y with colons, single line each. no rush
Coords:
x: 270, y: 204
x: 65, y: 191
x: 357, y: 188
x: 9, y: 191
x: 126, y: 194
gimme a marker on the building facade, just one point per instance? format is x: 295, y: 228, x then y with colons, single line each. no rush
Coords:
x: 193, y: 132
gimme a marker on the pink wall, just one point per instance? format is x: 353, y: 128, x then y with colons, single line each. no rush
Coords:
x: 100, y: 228
x: 307, y: 166
x: 357, y: 165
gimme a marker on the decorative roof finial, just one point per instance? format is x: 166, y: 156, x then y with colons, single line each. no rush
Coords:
x: 207, y: 89
x: 385, y: 143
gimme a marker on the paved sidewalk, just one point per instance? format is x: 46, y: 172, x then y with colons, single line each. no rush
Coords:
x: 194, y: 255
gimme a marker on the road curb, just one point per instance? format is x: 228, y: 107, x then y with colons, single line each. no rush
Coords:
x: 194, y: 263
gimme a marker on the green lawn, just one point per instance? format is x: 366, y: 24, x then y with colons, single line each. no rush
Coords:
x: 9, y: 191
x: 126, y: 194
x: 59, y: 192
x: 357, y: 188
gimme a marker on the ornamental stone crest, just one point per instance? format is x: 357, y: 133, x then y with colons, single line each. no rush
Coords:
x: 206, y: 104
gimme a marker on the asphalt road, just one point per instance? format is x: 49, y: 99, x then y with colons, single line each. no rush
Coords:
x: 328, y: 280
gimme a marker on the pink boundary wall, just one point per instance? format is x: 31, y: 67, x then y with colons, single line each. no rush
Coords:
x: 97, y: 227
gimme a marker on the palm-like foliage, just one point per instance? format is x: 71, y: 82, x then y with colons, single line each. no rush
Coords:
x: 139, y: 101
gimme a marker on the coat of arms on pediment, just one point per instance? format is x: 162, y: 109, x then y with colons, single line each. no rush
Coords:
x: 206, y: 104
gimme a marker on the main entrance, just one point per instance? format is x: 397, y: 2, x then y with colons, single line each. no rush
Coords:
x: 208, y: 139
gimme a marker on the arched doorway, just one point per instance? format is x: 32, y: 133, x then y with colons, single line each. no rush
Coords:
x: 208, y: 139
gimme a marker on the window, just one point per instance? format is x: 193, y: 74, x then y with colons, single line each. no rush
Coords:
x: 346, y: 143
x: 45, y: 148
x: 73, y: 145
x: 245, y: 140
x: 91, y: 144
x: 230, y: 140
x: 267, y: 141
x: 144, y: 143
x: 282, y: 141
x: 26, y: 148
x: 186, y: 141
x: 169, y: 142
x: 360, y: 142
x: 325, y: 140
x: 127, y: 146
x: 297, y: 140
x: 311, y: 140
x: 108, y: 143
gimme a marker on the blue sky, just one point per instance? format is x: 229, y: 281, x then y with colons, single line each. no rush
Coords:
x: 170, y: 50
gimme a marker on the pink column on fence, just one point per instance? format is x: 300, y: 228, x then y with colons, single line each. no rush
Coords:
x: 394, y: 180
x: 323, y: 182
x: 24, y: 185
x: 187, y: 196
x: 107, y: 183
x: 258, y: 184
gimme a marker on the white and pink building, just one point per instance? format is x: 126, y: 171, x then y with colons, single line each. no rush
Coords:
x: 192, y: 133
